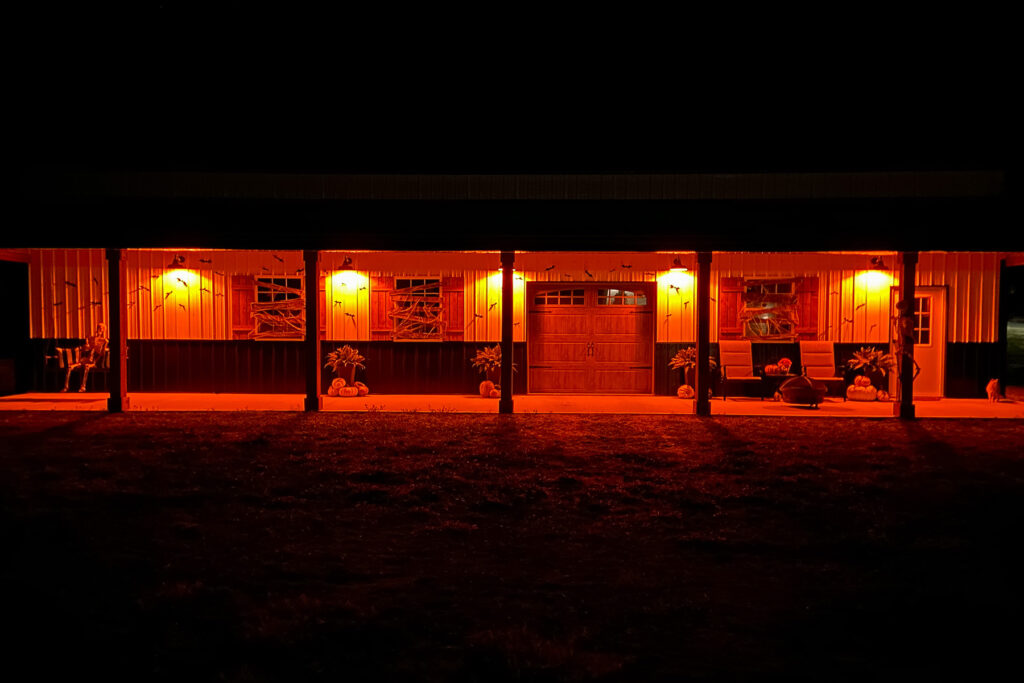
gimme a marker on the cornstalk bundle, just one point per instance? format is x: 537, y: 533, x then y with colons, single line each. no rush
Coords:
x: 285, y: 319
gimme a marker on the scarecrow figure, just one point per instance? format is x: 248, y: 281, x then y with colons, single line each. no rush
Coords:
x: 88, y: 355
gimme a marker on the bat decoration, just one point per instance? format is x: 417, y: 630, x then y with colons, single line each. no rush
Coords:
x: 217, y: 272
x: 181, y: 281
x: 167, y: 295
x: 833, y: 292
x: 206, y: 260
x: 182, y: 306
x: 362, y: 288
x: 338, y: 303
x: 95, y: 303
x: 860, y: 307
x: 685, y: 304
x: 217, y: 294
x: 668, y: 315
x: 343, y: 284
x: 674, y: 287
x: 625, y: 266
x: 477, y: 315
x: 95, y: 281
x: 158, y: 306
x: 514, y: 324
x: 58, y: 303
x: 69, y: 283
x: 141, y: 287
x: 847, y: 320
x: 589, y: 274
x: 873, y: 327
x: 265, y: 268
x: 203, y: 289
x: 278, y: 258
x: 567, y: 275
x: 300, y: 270
x: 491, y: 307
x: 549, y: 268
x: 351, y: 315
x: 518, y: 277
x: 713, y: 299
x: 154, y: 277
x: 130, y: 304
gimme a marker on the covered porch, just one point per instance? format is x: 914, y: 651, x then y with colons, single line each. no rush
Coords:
x: 1011, y: 407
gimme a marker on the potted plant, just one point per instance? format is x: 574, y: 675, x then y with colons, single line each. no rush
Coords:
x: 868, y: 367
x: 686, y: 360
x: 488, y: 361
x: 343, y: 362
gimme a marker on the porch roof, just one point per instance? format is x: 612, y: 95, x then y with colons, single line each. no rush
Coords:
x: 967, y: 211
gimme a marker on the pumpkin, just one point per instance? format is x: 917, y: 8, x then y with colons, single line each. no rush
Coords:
x: 685, y: 391
x: 861, y: 393
x: 495, y: 393
x: 883, y: 395
x: 332, y: 390
x: 862, y: 381
x: 486, y: 387
x: 348, y: 391
x: 363, y: 389
x: 772, y: 369
x: 337, y: 383
x: 785, y: 364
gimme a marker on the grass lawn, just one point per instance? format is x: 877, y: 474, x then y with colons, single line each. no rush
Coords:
x: 441, y: 547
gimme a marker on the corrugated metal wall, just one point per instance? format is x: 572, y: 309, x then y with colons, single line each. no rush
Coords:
x: 68, y: 292
x: 853, y: 301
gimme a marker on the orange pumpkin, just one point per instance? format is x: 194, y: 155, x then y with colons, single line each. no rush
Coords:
x: 882, y: 395
x: 685, y: 391
x: 337, y: 383
x: 861, y: 393
x: 862, y: 381
x: 362, y: 388
x: 785, y: 364
x: 486, y: 387
x: 495, y: 393
x: 332, y: 390
x: 348, y: 391
x: 772, y: 369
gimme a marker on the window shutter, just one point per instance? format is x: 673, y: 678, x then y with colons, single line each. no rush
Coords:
x: 243, y: 293
x: 380, y: 305
x: 730, y: 301
x: 453, y: 309
x: 807, y: 308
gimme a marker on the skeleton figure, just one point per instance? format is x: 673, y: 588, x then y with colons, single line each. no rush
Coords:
x: 89, y: 354
x: 903, y: 338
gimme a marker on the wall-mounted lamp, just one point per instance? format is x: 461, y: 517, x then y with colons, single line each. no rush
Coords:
x: 177, y: 262
x: 347, y: 263
x: 878, y: 264
x: 677, y: 265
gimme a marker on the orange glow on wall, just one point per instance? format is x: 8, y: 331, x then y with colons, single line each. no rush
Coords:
x: 181, y: 278
x: 874, y: 280
x: 349, y: 279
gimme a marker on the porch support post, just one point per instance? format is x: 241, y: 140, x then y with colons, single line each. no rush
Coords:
x: 117, y: 344
x: 311, y: 340
x: 908, y: 279
x: 703, y: 374
x: 507, y: 302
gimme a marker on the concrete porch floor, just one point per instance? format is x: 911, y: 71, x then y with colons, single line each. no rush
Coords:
x: 444, y: 403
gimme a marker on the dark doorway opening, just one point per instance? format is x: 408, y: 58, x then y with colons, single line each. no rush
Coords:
x: 14, y: 345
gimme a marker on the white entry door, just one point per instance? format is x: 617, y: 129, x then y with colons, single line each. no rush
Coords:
x: 929, y: 339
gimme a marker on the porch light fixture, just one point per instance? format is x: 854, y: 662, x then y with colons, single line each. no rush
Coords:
x: 878, y: 264
x: 177, y: 262
x: 677, y: 265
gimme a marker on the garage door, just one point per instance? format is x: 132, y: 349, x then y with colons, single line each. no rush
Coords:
x: 590, y: 339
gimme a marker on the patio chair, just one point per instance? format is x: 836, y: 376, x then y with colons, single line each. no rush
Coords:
x: 818, y: 360
x: 737, y: 361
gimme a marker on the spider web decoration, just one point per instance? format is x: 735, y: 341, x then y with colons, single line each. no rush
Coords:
x: 285, y: 319
x: 416, y: 312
